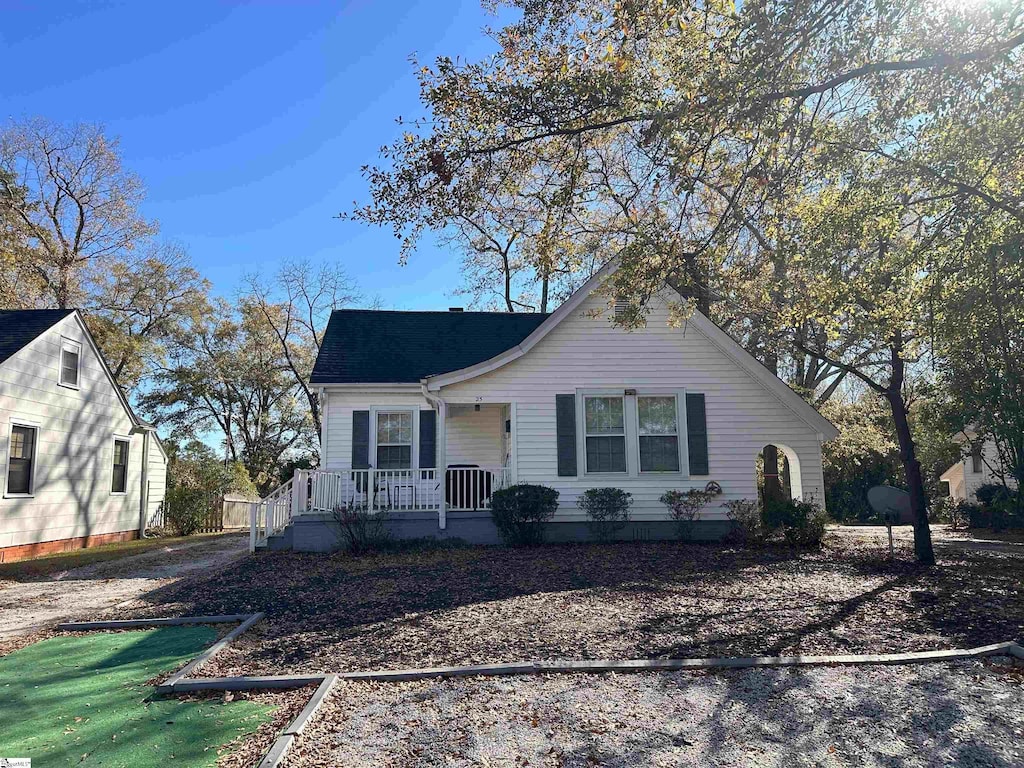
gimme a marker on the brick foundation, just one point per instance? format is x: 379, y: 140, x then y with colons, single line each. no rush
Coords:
x: 28, y: 551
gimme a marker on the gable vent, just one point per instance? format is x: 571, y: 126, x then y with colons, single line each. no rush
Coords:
x: 454, y: 309
x: 621, y: 308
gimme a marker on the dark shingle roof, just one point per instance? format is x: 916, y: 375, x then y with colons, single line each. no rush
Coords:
x: 20, y: 326
x: 363, y: 345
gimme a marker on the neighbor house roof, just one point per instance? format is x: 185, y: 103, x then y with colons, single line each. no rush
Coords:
x: 378, y: 346
x: 19, y: 327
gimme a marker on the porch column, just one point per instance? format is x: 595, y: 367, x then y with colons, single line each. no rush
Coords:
x: 442, y: 463
x: 513, y: 445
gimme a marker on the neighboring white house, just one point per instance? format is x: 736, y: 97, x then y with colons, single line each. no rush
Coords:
x: 567, y: 400
x: 79, y: 467
x: 981, y: 465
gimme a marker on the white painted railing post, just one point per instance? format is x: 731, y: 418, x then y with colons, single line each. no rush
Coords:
x: 268, y: 505
x: 297, y: 493
x: 253, y: 522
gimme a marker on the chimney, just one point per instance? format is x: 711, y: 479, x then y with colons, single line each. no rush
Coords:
x: 454, y: 309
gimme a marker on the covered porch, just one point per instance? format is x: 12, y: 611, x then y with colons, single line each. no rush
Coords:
x: 450, y: 458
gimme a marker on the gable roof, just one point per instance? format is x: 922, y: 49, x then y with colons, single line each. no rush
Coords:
x: 382, y: 346
x: 19, y: 327
x: 726, y: 343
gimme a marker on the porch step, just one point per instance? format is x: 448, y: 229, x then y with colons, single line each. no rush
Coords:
x: 281, y: 541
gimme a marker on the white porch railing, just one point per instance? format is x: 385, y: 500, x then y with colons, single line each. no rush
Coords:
x: 457, y: 489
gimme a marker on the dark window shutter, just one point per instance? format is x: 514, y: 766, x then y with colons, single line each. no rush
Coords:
x: 697, y: 434
x: 565, y: 430
x: 360, y: 439
x: 428, y: 439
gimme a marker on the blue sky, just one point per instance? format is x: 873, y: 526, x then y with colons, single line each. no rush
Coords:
x: 247, y: 123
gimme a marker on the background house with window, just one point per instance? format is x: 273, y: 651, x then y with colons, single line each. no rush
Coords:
x: 980, y: 465
x: 426, y: 413
x: 80, y: 468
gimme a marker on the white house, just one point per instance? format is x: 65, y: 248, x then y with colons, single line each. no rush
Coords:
x: 80, y: 468
x: 981, y: 465
x: 425, y: 414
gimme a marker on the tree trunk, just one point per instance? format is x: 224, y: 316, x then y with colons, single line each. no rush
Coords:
x: 908, y: 454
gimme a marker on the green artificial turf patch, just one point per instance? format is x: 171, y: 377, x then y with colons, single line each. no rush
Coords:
x: 83, y: 700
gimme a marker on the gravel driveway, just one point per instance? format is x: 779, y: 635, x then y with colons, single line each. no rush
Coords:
x: 31, y: 606
x: 964, y: 714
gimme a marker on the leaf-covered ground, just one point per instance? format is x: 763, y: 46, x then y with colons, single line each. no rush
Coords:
x: 584, y: 601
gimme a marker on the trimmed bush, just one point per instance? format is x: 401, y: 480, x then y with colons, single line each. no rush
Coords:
x: 607, y: 510
x: 747, y: 526
x: 802, y: 523
x: 990, y: 494
x: 684, y: 506
x: 187, y: 509
x: 360, y: 530
x: 954, y: 512
x: 520, y: 511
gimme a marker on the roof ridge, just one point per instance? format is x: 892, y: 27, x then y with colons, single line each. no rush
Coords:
x: 438, y: 312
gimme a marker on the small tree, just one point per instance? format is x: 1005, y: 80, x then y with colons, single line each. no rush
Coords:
x: 684, y: 506
x: 607, y: 510
x: 359, y: 529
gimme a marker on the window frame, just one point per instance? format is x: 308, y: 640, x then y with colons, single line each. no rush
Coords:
x: 35, y: 427
x: 680, y: 436
x: 413, y: 412
x: 631, y: 425
x: 581, y: 420
x: 977, y: 457
x: 72, y: 346
x: 114, y: 440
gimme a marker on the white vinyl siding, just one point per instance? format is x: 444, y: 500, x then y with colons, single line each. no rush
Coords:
x: 586, y: 354
x: 74, y: 451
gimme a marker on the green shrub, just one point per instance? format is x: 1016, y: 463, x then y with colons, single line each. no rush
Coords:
x: 684, y: 506
x: 607, y: 510
x: 187, y: 509
x: 990, y: 494
x: 1001, y: 507
x: 747, y: 526
x: 801, y: 523
x: 957, y: 514
x: 520, y: 511
x: 360, y: 530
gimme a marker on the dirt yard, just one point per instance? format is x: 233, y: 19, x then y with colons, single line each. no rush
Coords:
x: 586, y: 601
x: 965, y: 714
x: 34, y: 603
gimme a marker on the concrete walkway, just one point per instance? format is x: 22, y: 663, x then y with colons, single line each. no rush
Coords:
x: 83, y: 592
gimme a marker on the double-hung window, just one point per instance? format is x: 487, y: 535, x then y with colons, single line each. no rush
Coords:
x: 605, y: 425
x: 658, y: 433
x: 119, y: 483
x: 394, y: 439
x: 21, y: 460
x: 70, y: 363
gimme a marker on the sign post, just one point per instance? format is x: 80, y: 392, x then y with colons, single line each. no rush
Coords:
x: 893, y: 504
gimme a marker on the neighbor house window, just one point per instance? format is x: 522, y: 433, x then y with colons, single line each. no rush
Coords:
x: 120, y: 481
x: 658, y: 430
x: 605, y: 425
x: 976, y: 459
x: 394, y: 439
x: 21, y: 460
x: 70, y: 362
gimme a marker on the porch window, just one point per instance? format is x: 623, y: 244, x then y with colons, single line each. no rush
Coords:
x: 658, y: 433
x: 21, y: 459
x: 119, y: 484
x: 394, y: 439
x: 605, y: 434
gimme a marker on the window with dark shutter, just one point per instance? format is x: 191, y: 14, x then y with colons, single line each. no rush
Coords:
x: 394, y: 439
x: 119, y: 483
x: 697, y: 434
x: 21, y: 460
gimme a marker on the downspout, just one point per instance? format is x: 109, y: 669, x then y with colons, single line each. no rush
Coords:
x: 321, y: 394
x: 442, y: 412
x: 143, y: 490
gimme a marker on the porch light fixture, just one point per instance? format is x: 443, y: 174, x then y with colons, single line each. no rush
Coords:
x: 629, y: 392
